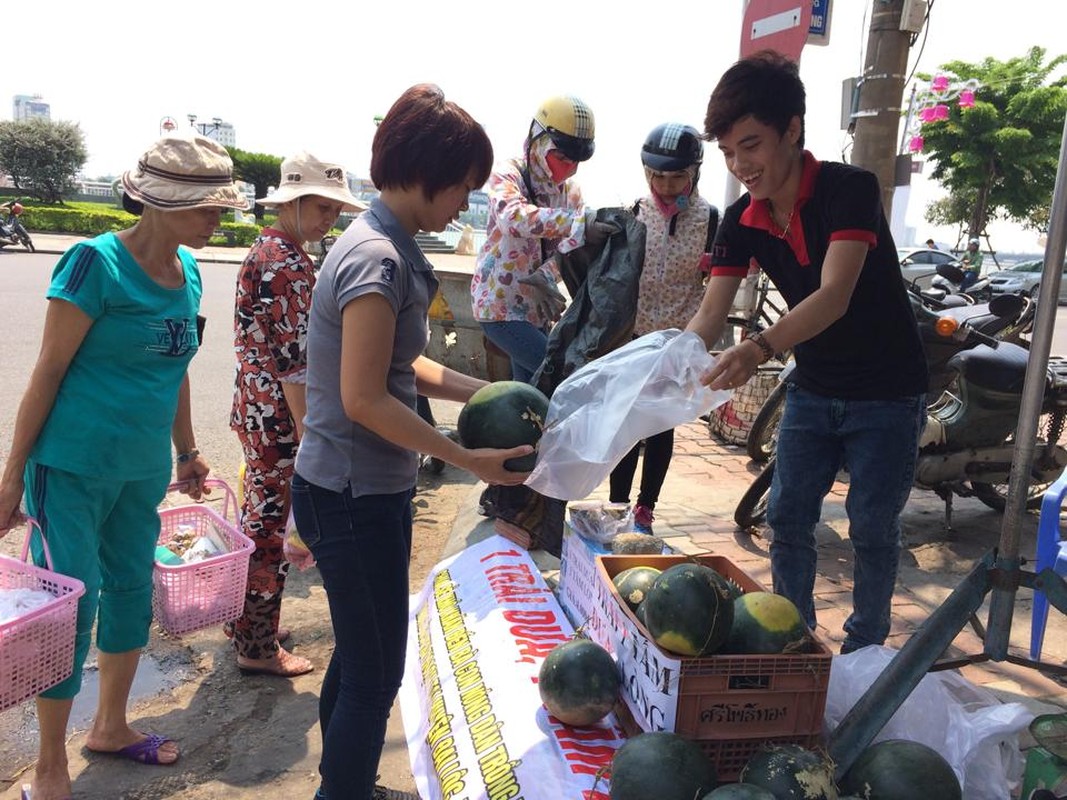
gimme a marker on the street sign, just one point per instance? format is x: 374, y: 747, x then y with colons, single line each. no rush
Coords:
x: 780, y: 25
x: 819, y: 30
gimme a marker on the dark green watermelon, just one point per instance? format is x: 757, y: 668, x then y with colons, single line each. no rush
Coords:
x: 790, y: 772
x: 639, y: 612
x: 765, y: 624
x: 660, y: 766
x: 896, y: 769
x: 689, y: 610
x: 633, y: 584
x: 579, y: 682
x: 504, y: 414
x: 739, y: 791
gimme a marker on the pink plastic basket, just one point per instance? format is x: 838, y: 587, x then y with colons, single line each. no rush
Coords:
x: 190, y: 597
x: 37, y: 648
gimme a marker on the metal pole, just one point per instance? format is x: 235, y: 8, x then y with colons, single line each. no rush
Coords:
x: 1002, y: 601
x: 892, y: 687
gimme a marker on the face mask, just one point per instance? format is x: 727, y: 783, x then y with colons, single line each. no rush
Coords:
x: 677, y: 205
x: 560, y: 169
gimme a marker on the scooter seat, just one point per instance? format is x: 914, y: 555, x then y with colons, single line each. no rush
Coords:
x: 1002, y: 369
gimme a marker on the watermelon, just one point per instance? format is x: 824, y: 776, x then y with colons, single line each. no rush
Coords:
x: 633, y: 584
x: 689, y: 610
x: 789, y: 772
x: 504, y: 414
x: 660, y: 766
x: 739, y: 791
x: 639, y: 612
x: 579, y: 682
x: 895, y: 769
x: 765, y: 624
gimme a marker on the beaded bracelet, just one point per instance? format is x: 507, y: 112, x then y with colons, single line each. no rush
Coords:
x: 763, y: 344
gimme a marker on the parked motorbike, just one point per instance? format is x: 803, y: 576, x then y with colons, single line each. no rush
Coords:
x: 324, y: 247
x: 955, y: 280
x: 1006, y: 326
x: 967, y: 446
x: 12, y: 231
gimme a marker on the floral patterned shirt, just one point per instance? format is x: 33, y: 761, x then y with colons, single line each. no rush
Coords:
x: 517, y: 227
x: 270, y: 327
x: 672, y: 279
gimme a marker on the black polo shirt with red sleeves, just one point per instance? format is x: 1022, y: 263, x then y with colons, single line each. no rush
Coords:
x: 874, y: 351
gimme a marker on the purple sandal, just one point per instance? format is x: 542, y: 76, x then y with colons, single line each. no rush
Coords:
x: 145, y: 751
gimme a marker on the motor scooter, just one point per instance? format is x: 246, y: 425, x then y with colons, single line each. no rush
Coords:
x: 1012, y: 324
x: 967, y: 446
x: 12, y: 231
x: 955, y: 280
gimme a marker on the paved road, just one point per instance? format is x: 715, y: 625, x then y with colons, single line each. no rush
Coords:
x: 24, y: 278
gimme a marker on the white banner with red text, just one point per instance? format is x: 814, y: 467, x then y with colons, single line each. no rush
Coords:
x: 476, y: 728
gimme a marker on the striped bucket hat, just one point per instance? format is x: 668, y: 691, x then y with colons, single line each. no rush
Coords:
x: 183, y: 172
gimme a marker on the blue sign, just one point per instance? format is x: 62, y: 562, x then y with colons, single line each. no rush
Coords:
x: 819, y: 29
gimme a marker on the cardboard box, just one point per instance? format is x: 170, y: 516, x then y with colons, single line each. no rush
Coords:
x: 580, y: 595
x: 729, y: 704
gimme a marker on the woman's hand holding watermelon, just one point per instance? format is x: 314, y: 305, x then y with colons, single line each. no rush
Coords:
x: 489, y: 464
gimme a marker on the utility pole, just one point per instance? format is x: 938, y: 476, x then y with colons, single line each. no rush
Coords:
x: 881, y: 95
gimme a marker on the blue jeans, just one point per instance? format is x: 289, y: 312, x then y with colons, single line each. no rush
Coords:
x: 524, y: 343
x: 877, y: 441
x: 362, y: 546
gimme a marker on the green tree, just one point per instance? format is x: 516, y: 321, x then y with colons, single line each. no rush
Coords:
x: 260, y: 169
x: 998, y: 159
x: 42, y: 157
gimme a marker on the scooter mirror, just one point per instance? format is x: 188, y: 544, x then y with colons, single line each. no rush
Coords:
x: 949, y: 272
x: 1006, y: 305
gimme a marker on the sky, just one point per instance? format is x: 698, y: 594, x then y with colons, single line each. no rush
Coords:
x: 313, y: 75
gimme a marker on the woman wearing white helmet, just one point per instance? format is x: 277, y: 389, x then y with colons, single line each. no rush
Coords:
x: 535, y: 211
x: 680, y: 225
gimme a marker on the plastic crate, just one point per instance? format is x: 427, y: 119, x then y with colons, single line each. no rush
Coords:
x: 191, y: 597
x: 731, y: 705
x: 37, y: 648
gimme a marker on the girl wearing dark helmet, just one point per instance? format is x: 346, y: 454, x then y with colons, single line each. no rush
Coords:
x: 680, y: 224
x: 535, y: 211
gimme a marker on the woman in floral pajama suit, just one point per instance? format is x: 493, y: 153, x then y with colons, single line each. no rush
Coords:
x: 270, y: 328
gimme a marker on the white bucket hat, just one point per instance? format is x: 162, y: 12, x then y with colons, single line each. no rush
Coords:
x: 183, y: 172
x: 303, y: 174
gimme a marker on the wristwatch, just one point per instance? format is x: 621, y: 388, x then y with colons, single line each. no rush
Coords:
x: 185, y: 458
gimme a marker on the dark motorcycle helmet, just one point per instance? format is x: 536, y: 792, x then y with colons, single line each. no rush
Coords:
x: 672, y: 147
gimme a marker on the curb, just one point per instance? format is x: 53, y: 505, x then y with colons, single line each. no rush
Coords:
x: 205, y: 258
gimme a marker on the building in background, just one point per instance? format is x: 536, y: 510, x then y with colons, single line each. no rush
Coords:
x: 217, y: 129
x: 27, y: 106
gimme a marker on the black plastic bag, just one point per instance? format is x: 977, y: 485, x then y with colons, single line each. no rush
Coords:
x: 603, y: 284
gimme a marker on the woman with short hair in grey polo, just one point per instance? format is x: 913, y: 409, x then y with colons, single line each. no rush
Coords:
x: 358, y: 459
x: 91, y: 448
x: 273, y: 304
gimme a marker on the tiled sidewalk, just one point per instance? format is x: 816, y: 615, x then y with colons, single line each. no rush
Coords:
x: 695, y: 514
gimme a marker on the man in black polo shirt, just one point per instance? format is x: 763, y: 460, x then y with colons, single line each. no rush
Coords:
x: 856, y: 397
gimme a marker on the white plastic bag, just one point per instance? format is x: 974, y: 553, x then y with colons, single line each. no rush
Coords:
x: 976, y: 733
x: 599, y: 413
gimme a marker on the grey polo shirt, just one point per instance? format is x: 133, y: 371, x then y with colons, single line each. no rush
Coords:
x: 375, y: 254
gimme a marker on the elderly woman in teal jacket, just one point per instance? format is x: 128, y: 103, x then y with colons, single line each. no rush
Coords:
x: 91, y: 447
